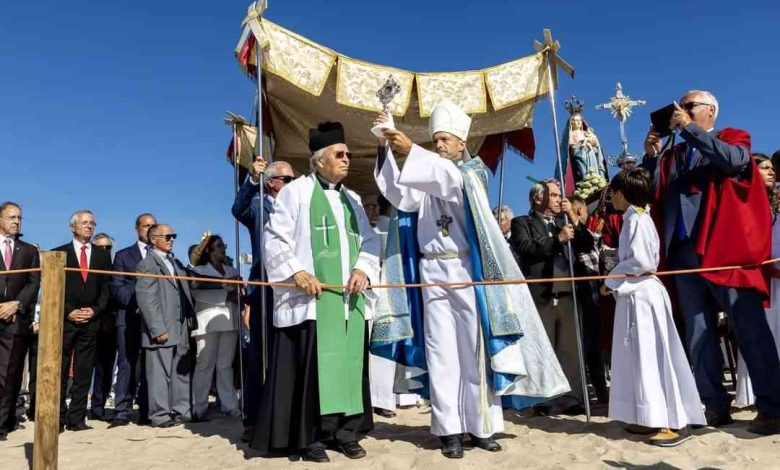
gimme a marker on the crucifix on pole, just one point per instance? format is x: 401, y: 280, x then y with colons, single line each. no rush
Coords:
x: 549, y: 49
x: 621, y: 106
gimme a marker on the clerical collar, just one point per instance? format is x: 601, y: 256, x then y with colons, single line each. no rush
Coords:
x: 327, y: 184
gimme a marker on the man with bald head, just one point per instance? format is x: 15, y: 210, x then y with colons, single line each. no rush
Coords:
x: 713, y: 211
x: 167, y: 309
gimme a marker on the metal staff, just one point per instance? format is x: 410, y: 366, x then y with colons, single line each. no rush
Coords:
x: 238, y: 260
x: 259, y: 153
x: 501, y: 183
x: 550, y: 49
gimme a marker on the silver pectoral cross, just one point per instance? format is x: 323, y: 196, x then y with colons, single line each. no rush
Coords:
x: 324, y: 227
x: 444, y: 223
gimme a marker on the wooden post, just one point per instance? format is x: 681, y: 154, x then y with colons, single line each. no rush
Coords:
x: 47, y: 402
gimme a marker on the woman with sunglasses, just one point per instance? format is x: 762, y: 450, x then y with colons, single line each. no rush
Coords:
x: 216, y: 307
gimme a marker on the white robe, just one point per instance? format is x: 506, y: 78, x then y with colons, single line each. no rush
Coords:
x: 433, y: 187
x: 652, y: 382
x: 745, y: 395
x: 287, y: 248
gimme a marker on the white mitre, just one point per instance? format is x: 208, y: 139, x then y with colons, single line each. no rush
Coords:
x: 448, y: 117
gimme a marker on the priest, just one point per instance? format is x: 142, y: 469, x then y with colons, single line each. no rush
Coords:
x: 316, y: 391
x: 482, y: 342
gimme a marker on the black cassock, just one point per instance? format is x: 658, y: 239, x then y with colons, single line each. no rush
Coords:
x: 288, y: 418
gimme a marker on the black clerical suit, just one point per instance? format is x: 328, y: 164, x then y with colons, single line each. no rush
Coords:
x: 79, y: 340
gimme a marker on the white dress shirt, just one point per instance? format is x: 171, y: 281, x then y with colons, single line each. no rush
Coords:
x: 143, y: 247
x: 77, y: 246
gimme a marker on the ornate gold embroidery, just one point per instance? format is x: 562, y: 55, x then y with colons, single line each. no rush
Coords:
x: 358, y: 81
x: 466, y: 89
x: 516, y: 81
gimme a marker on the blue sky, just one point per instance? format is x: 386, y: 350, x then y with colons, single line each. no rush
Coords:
x: 118, y: 107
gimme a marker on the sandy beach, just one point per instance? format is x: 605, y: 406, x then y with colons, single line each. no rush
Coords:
x: 404, y: 443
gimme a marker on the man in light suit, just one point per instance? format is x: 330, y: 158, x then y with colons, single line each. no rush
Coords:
x: 166, y: 306
x: 246, y: 209
x: 130, y: 375
x: 18, y: 293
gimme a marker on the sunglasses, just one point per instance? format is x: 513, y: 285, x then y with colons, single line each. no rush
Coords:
x: 284, y: 179
x: 692, y: 104
x: 105, y: 247
x: 344, y: 153
x: 168, y: 236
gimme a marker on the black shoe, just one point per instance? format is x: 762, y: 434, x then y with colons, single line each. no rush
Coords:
x: 542, y: 410
x: 179, y: 419
x: 574, y: 410
x: 81, y: 426
x: 384, y: 413
x: 352, y: 450
x: 765, y: 425
x: 3, y: 436
x: 452, y: 446
x: 144, y: 422
x: 92, y: 416
x: 118, y: 422
x: 249, y: 434
x: 315, y: 455
x: 715, y: 420
x: 487, y: 443
x: 168, y: 423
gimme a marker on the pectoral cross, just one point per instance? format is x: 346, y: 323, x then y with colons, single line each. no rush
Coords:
x: 444, y: 222
x: 324, y: 227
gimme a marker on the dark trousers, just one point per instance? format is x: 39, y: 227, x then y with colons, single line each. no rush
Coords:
x: 105, y: 356
x: 79, y: 342
x: 700, y: 301
x: 12, y: 352
x: 591, y: 339
x: 131, y: 373
x: 253, y: 354
x: 32, y: 370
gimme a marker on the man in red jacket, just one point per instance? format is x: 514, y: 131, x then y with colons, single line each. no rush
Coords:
x: 712, y: 210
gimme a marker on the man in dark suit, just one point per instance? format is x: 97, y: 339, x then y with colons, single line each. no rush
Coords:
x: 539, y: 240
x: 713, y: 211
x: 86, y: 298
x: 246, y: 209
x: 18, y: 295
x: 130, y: 375
x: 168, y: 313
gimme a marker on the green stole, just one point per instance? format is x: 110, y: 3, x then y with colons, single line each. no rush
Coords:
x: 340, y: 343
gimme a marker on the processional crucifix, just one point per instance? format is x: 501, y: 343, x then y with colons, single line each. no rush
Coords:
x: 621, y: 106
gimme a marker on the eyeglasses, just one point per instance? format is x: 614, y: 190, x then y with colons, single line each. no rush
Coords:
x: 105, y: 247
x: 285, y: 179
x: 168, y: 236
x: 86, y: 224
x: 692, y: 104
x: 344, y: 153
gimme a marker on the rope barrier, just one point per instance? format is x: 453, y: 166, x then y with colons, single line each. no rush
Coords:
x: 398, y: 286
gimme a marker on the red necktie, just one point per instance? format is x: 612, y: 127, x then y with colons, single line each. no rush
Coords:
x: 83, y: 263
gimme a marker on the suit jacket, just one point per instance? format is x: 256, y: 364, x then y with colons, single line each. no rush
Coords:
x: 95, y: 292
x: 536, y: 249
x: 20, y: 287
x: 123, y: 287
x: 247, y: 209
x: 164, y: 303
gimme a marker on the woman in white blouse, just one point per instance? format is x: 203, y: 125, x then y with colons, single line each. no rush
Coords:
x: 216, y: 336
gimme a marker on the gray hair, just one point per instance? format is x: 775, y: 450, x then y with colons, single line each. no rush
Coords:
x: 504, y: 211
x: 709, y: 98
x: 316, y: 157
x: 538, y: 189
x: 75, y: 216
x: 104, y: 236
x: 8, y: 204
x: 273, y: 169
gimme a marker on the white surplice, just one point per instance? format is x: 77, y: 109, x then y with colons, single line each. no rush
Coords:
x: 652, y: 382
x: 287, y: 248
x: 745, y: 395
x: 433, y: 187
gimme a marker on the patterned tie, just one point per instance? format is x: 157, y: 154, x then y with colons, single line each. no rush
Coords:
x: 8, y: 254
x: 83, y: 263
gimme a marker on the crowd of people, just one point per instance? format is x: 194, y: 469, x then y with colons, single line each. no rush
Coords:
x: 318, y: 362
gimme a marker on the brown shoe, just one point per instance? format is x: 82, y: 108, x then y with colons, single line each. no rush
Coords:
x: 249, y: 434
x: 765, y: 425
x: 669, y: 438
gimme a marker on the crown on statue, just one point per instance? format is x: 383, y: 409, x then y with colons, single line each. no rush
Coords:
x: 574, y: 105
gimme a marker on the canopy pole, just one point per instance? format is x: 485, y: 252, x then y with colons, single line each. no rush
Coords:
x: 236, y: 230
x: 561, y: 176
x: 259, y: 153
x: 501, y: 177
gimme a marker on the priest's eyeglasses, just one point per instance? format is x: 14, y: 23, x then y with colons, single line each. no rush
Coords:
x: 692, y: 104
x: 344, y: 153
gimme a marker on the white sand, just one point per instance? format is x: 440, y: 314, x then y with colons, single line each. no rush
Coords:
x: 404, y: 442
